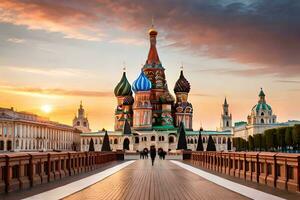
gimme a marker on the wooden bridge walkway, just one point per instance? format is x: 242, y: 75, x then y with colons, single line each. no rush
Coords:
x: 164, y: 180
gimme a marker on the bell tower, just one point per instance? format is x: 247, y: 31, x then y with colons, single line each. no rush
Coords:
x: 80, y: 121
x: 226, y: 118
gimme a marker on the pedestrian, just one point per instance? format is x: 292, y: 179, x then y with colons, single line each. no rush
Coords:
x: 141, y: 155
x: 152, y: 154
x: 164, y: 155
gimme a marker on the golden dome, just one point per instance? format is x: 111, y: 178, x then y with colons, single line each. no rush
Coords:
x: 152, y: 31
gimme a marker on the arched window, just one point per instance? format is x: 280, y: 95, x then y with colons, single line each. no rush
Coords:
x: 192, y: 141
x: 152, y: 138
x: 78, y: 123
x: 116, y: 141
x: 224, y: 140
x: 137, y: 140
x: 171, y: 139
x: 262, y: 113
x: 2, y: 145
x: 227, y: 124
x: 145, y: 139
x: 159, y: 138
x: 162, y: 138
x: 84, y: 124
x: 195, y: 141
x: 262, y: 121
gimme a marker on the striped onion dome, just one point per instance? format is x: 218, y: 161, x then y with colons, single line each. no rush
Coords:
x: 182, y: 85
x: 123, y: 88
x: 142, y: 83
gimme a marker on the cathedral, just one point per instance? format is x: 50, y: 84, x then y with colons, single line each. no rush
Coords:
x: 152, y: 107
x: 147, y: 114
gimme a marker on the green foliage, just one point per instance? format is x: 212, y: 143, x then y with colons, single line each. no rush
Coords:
x: 296, y: 136
x: 228, y: 144
x: 270, y: 135
x: 289, y: 136
x: 280, y: 134
x: 251, y: 143
x: 200, y: 143
x: 106, y: 145
x: 91, y: 146
x: 210, y: 144
x: 257, y: 142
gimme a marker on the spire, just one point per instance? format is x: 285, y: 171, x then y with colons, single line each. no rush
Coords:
x: 80, y: 104
x: 262, y: 96
x: 225, y: 102
x: 153, y: 58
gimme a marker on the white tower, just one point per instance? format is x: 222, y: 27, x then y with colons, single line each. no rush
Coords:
x: 80, y: 121
x: 226, y: 118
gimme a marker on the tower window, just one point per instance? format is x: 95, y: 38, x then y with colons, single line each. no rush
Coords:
x: 262, y: 114
x: 262, y: 121
x: 226, y: 113
x: 84, y: 124
x: 227, y: 123
x: 78, y: 123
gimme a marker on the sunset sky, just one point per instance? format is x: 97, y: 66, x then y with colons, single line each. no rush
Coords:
x: 55, y: 53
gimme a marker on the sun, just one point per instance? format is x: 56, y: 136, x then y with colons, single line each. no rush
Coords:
x: 47, y: 108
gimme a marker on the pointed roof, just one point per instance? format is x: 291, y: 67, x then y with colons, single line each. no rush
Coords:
x: 153, y: 58
x: 261, y: 94
x: 126, y: 129
x: 225, y: 101
x: 105, y: 145
x: 182, y: 139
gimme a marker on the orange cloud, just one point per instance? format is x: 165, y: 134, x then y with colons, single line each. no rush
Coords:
x: 262, y: 33
x: 55, y: 92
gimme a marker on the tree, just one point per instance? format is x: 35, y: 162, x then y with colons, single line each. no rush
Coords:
x: 91, y: 146
x: 288, y: 137
x: 296, y: 136
x: 200, y: 143
x: 280, y: 134
x: 251, y: 143
x: 270, y: 139
x: 257, y: 142
x: 182, y: 139
x: 126, y: 129
x: 263, y: 142
x: 211, y: 144
x: 106, y: 145
x: 228, y: 144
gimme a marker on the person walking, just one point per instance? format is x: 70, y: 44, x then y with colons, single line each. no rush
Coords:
x: 152, y: 154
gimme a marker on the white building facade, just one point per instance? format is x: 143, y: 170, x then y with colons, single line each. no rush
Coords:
x: 21, y: 131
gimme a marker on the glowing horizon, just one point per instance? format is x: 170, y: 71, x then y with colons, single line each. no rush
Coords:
x: 53, y: 55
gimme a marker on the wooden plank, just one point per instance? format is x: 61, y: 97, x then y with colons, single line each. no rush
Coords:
x: 164, y: 181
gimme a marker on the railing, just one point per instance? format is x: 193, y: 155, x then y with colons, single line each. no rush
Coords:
x: 280, y: 170
x: 24, y: 170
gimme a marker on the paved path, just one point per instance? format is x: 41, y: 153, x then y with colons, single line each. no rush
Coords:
x: 163, y: 181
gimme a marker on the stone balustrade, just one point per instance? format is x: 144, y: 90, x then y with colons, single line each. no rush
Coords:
x: 25, y: 170
x: 280, y: 170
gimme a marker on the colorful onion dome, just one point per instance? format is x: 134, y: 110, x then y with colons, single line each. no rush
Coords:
x: 123, y: 88
x: 182, y: 85
x: 142, y: 83
x: 128, y: 100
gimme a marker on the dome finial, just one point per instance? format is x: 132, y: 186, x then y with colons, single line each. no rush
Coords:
x: 152, y: 22
x: 124, y: 66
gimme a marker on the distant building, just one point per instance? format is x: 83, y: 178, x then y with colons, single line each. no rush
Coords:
x: 80, y: 120
x: 22, y: 131
x: 261, y: 118
x: 226, y: 118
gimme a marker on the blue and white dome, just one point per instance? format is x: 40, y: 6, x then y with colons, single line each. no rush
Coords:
x: 142, y: 83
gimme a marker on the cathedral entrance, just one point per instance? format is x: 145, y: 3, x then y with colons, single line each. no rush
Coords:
x: 126, y: 144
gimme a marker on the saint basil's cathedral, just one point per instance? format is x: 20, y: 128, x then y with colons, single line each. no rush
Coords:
x: 152, y: 107
x: 147, y: 113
